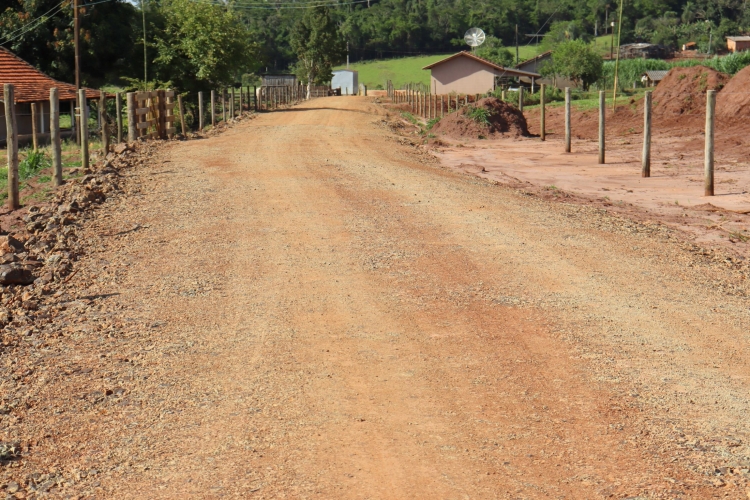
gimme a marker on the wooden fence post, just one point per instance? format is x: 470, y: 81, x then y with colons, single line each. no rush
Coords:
x: 709, y: 159
x: 34, y: 139
x: 646, y: 158
x: 542, y: 112
x: 132, y: 120
x: 54, y: 134
x: 255, y: 97
x: 118, y: 110
x: 84, y: 117
x: 11, y: 134
x: 182, y: 115
x: 103, y: 121
x: 240, y: 113
x: 442, y: 109
x: 567, y: 119
x: 200, y: 111
x: 602, y: 101
x: 224, y: 104
x: 231, y: 107
x: 213, y: 107
x: 502, y: 95
x: 520, y: 99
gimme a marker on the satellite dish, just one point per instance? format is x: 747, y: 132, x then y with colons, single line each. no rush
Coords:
x: 474, y: 37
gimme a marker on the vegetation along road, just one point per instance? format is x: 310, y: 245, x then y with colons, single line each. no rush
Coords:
x: 307, y: 306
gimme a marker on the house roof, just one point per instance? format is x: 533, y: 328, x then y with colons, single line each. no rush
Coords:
x: 655, y: 76
x: 508, y: 71
x: 543, y: 55
x: 31, y: 85
x: 739, y: 38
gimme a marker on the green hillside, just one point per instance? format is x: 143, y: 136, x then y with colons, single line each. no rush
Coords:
x: 408, y: 69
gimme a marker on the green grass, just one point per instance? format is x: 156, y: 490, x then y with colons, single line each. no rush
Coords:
x: 409, y: 69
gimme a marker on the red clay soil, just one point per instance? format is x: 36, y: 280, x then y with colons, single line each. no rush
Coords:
x: 733, y: 102
x: 504, y: 119
x: 683, y: 90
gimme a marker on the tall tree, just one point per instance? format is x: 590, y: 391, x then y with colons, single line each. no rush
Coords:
x: 318, y: 44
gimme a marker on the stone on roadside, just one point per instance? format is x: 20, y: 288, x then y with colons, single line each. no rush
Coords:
x: 9, y: 244
x: 13, y: 274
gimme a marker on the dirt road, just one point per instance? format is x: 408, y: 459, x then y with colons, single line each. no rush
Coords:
x: 305, y: 307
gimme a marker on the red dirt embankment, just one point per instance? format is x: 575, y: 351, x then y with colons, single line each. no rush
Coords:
x: 733, y: 102
x: 503, y: 119
x: 683, y: 90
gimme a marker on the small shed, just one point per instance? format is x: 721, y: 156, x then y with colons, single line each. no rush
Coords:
x: 652, y: 78
x: 738, y: 43
x: 535, y: 64
x: 33, y: 86
x: 278, y: 80
x: 465, y: 73
x: 347, y: 80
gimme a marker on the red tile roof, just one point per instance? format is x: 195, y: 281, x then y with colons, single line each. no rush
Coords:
x: 507, y: 71
x: 31, y: 85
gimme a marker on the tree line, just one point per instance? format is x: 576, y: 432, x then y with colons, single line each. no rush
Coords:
x: 199, y: 44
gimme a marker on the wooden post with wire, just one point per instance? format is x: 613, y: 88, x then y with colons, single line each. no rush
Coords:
x: 646, y: 157
x: 54, y: 134
x: 602, y: 105
x: 567, y: 120
x: 709, y: 153
x: 213, y: 108
x: 34, y: 138
x: 200, y: 111
x: 12, y: 145
x: 182, y: 115
x: 520, y: 99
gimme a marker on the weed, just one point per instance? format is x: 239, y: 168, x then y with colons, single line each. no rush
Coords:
x: 479, y: 115
x: 481, y: 137
x: 682, y: 77
x: 432, y: 123
x: 32, y: 164
x: 409, y: 117
x: 552, y: 187
x: 736, y: 235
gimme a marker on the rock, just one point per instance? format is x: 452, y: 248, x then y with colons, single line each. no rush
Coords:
x: 13, y: 274
x: 12, y: 487
x: 121, y: 148
x: 9, y: 244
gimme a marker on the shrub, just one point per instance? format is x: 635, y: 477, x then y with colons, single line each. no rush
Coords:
x: 479, y: 114
x: 34, y: 162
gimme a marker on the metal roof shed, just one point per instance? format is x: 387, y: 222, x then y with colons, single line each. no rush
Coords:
x: 347, y: 80
x: 651, y: 78
x: 465, y: 73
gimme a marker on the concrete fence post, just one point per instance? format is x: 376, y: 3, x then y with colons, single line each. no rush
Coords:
x: 646, y: 157
x: 132, y: 117
x: 542, y: 105
x: 602, y: 116
x: 709, y: 158
x: 11, y: 135
x: 567, y: 120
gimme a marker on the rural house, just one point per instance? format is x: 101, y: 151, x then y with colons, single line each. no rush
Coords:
x: 465, y: 73
x: 738, y: 43
x: 535, y: 65
x: 33, y: 86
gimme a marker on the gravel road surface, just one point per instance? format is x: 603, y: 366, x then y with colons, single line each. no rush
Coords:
x: 306, y: 306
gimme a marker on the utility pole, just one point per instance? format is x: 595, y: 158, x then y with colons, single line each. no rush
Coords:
x: 347, y: 55
x: 516, y: 45
x: 76, y: 28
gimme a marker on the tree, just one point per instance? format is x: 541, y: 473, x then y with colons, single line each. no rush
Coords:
x: 318, y: 44
x: 577, y: 61
x: 202, y: 46
x: 492, y: 50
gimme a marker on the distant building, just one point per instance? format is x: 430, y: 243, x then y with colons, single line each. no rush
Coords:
x: 738, y: 43
x: 465, y: 73
x: 535, y: 65
x: 644, y: 51
x: 652, y: 78
x: 33, y: 86
x: 347, y: 80
x: 278, y: 80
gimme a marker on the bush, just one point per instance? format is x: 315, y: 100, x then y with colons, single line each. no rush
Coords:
x: 479, y: 114
x: 34, y: 162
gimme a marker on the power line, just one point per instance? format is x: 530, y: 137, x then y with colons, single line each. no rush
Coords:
x: 282, y: 5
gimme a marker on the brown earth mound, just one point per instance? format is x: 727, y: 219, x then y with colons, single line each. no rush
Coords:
x: 683, y: 90
x: 503, y: 119
x: 733, y: 102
